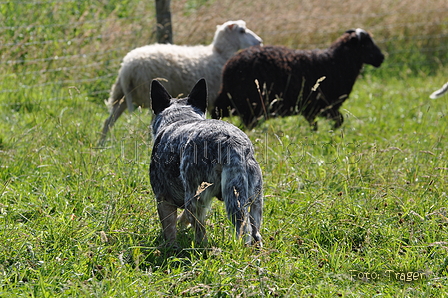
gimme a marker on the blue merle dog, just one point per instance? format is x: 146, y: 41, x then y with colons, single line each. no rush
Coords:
x: 195, y: 159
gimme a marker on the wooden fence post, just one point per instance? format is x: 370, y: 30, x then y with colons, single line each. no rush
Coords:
x: 163, y: 16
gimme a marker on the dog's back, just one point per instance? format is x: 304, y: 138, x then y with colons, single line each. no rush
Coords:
x: 195, y: 159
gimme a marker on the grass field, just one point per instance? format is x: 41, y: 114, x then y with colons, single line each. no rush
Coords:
x: 359, y: 211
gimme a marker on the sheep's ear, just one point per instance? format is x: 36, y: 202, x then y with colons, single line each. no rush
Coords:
x: 198, y: 95
x: 353, y: 37
x: 230, y: 27
x: 359, y: 35
x: 350, y: 31
x: 160, y: 98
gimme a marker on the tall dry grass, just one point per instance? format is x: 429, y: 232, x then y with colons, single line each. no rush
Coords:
x: 309, y: 23
x: 81, y: 44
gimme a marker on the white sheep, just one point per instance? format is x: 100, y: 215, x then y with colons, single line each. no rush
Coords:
x: 178, y: 67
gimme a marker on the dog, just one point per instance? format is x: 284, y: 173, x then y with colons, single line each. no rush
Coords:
x: 195, y: 159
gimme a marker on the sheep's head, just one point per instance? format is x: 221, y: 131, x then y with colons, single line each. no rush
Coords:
x: 370, y: 52
x: 233, y: 36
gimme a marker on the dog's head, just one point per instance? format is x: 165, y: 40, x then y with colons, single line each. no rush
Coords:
x: 169, y: 110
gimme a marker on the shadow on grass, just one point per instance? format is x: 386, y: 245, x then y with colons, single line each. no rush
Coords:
x: 153, y: 255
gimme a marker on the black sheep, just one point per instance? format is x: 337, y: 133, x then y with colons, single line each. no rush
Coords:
x: 273, y: 81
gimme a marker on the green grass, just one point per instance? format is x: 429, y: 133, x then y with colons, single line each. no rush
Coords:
x: 370, y: 197
x: 368, y: 200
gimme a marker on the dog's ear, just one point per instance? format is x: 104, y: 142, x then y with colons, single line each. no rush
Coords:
x: 198, y: 95
x: 160, y: 98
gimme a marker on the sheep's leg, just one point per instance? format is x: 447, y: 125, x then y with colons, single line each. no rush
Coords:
x: 118, y: 108
x: 337, y: 117
x: 250, y: 121
x: 313, y: 123
x: 129, y: 102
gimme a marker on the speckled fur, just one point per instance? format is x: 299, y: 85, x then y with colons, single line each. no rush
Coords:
x: 195, y: 159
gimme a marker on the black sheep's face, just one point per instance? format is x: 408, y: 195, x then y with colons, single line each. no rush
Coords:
x: 371, y: 53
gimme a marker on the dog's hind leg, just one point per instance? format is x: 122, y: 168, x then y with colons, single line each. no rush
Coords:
x: 182, y: 220
x: 255, y: 215
x: 167, y: 215
x: 196, y: 207
x: 255, y: 203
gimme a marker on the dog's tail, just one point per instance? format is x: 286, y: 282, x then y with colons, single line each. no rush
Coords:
x: 243, y: 199
x: 235, y: 195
